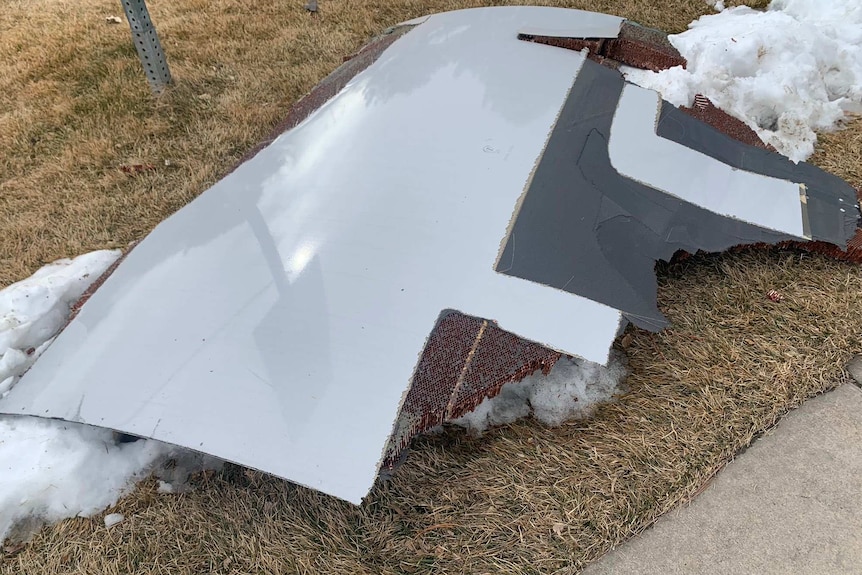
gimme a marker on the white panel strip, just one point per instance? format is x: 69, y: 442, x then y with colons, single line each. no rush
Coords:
x: 554, y: 22
x: 638, y: 153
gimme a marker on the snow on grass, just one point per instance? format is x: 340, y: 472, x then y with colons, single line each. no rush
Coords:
x: 787, y: 72
x: 572, y: 390
x: 50, y: 469
x: 33, y: 310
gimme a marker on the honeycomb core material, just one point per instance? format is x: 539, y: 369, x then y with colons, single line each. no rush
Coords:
x: 465, y: 361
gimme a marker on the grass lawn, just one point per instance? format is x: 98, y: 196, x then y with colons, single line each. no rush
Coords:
x: 75, y: 108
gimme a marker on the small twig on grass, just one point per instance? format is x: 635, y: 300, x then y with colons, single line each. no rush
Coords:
x: 436, y: 526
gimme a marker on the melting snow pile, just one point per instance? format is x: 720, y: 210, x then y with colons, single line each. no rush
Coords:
x: 572, y: 390
x: 786, y: 72
x: 33, y: 310
x: 50, y: 470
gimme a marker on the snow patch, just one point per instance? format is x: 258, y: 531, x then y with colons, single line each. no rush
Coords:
x: 572, y: 390
x: 112, y: 519
x: 15, y: 363
x: 33, y: 310
x: 165, y: 487
x: 51, y: 469
x: 787, y: 72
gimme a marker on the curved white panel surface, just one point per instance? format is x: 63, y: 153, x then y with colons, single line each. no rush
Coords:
x: 638, y: 153
x: 276, y: 320
x: 557, y: 22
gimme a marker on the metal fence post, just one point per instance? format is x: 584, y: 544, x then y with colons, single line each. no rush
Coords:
x: 147, y: 43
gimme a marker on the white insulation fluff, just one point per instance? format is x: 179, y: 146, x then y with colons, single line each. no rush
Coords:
x: 787, y: 72
x: 572, y: 390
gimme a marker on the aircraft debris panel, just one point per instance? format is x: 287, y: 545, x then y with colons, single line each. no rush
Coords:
x: 451, y: 217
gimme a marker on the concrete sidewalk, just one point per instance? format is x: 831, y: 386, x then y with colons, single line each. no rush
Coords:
x: 790, y: 504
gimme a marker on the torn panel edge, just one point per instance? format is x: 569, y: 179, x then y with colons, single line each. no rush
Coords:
x: 633, y: 45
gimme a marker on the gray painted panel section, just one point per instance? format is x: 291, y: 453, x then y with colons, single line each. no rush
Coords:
x: 277, y: 319
x: 637, y: 152
x: 831, y: 202
x: 584, y: 228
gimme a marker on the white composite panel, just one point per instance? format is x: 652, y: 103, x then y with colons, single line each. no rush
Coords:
x: 276, y: 321
x: 570, y: 24
x: 638, y: 153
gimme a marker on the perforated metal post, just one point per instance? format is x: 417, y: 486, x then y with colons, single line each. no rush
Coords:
x: 147, y: 43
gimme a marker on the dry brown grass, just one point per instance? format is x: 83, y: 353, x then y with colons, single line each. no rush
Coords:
x: 525, y: 499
